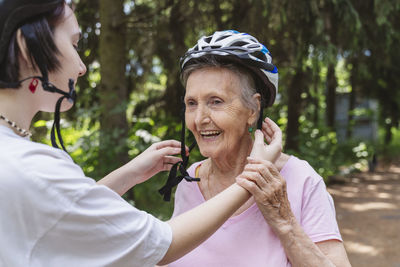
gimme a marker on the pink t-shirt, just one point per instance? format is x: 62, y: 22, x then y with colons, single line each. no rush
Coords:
x: 246, y: 239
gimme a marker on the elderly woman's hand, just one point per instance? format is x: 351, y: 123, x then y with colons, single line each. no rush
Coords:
x: 273, y: 135
x: 263, y: 180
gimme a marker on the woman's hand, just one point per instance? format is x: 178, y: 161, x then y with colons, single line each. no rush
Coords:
x: 273, y: 135
x: 262, y: 179
x: 158, y: 157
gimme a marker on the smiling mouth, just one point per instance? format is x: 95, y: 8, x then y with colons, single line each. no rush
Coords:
x: 210, y: 134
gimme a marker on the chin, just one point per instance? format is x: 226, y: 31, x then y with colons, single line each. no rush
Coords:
x: 208, y: 153
x: 66, y: 105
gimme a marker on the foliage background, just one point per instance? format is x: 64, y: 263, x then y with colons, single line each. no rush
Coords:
x: 130, y: 96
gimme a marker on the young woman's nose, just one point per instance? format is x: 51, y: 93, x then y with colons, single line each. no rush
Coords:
x: 82, y: 68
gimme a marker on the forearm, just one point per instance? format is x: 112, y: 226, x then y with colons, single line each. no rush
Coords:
x: 299, y: 248
x: 195, y: 226
x: 120, y: 180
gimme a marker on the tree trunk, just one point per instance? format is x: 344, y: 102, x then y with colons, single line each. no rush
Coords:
x: 174, y: 91
x: 388, y: 134
x: 350, y: 116
x: 331, y: 84
x: 240, y: 11
x: 113, y: 88
x: 393, y: 115
x: 294, y: 109
x: 315, y: 98
x: 352, y: 100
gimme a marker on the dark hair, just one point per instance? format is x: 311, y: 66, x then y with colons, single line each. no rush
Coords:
x: 43, y: 31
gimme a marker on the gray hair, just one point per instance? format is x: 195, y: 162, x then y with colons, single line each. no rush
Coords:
x: 246, y: 79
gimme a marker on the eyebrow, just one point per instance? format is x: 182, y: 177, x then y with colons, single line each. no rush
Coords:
x: 208, y: 95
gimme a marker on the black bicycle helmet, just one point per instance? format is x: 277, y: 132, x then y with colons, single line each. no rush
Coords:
x: 233, y: 47
x: 15, y: 14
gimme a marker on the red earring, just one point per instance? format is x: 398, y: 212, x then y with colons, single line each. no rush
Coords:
x: 32, y: 86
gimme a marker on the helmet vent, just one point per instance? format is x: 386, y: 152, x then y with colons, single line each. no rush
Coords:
x: 211, y: 47
x: 259, y: 55
x: 253, y: 46
x: 208, y: 39
x: 222, y: 38
x: 239, y: 43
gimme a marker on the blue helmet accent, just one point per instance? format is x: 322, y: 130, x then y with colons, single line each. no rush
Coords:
x: 275, y: 70
x: 232, y: 31
x: 265, y: 50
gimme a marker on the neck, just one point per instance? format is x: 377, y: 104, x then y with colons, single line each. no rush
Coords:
x: 228, y: 167
x: 16, y: 105
x: 220, y: 173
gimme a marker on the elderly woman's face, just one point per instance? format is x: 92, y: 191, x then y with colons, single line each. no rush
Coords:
x: 215, y: 113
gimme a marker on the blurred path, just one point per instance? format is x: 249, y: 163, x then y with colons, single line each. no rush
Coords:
x: 368, y: 213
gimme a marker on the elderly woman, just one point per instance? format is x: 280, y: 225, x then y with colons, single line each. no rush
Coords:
x: 290, y: 220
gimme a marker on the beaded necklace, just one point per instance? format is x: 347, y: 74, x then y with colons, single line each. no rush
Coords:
x: 20, y: 131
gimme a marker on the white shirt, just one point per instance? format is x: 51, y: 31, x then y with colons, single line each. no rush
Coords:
x: 52, y: 215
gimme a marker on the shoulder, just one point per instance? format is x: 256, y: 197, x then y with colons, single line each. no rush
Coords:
x: 41, y: 182
x: 36, y: 158
x: 302, y: 181
x: 193, y: 167
x: 41, y: 168
x: 310, y: 201
x: 297, y: 171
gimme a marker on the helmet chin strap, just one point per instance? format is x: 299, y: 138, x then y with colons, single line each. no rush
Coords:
x: 71, y: 97
x: 260, y: 118
x: 173, y: 177
x: 49, y: 87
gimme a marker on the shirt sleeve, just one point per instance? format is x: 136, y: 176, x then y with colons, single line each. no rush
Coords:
x: 318, y: 214
x: 101, y: 229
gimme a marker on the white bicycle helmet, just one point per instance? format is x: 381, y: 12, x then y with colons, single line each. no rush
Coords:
x: 242, y: 48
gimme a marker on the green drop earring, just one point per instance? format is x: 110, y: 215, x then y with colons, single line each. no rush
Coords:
x: 251, y: 129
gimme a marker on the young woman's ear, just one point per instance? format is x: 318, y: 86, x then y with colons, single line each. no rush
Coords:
x: 254, y: 113
x: 24, y: 53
